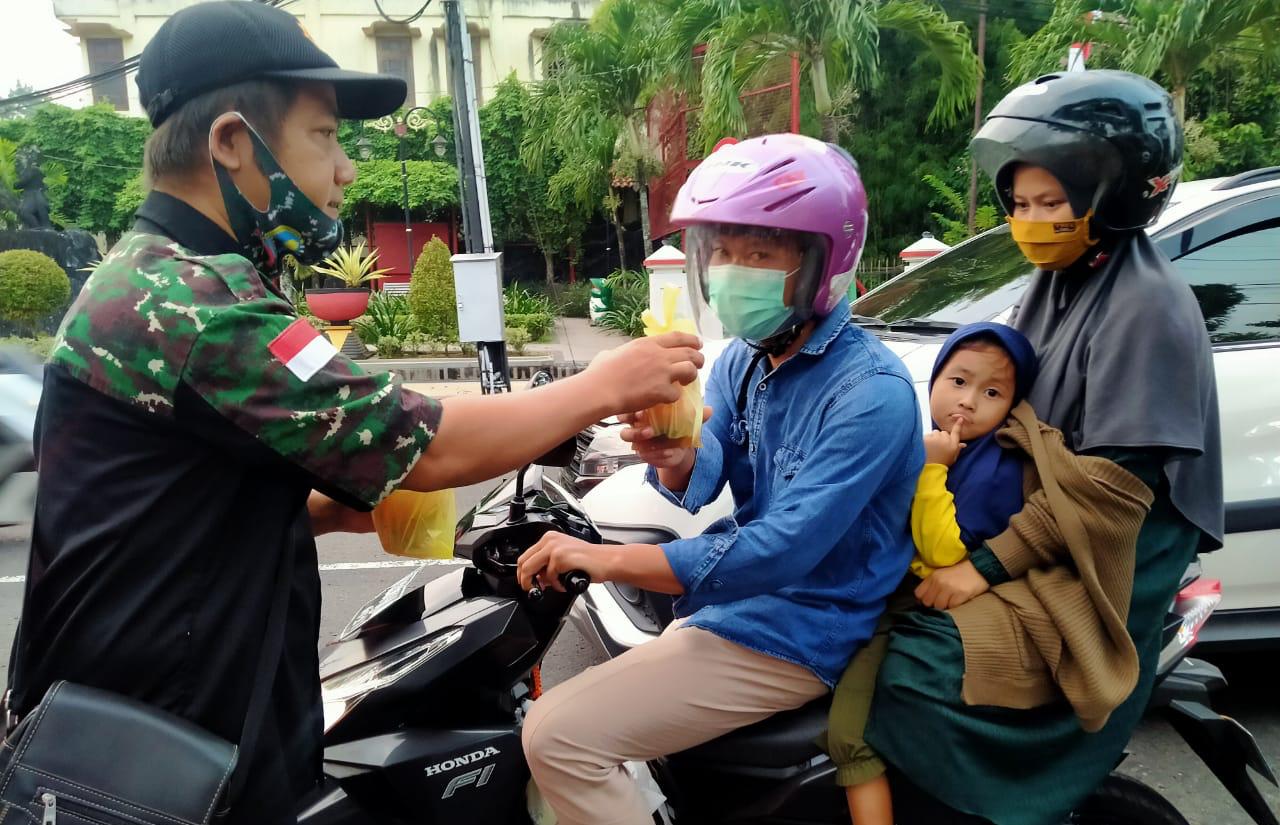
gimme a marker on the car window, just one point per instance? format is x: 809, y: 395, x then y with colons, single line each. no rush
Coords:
x: 1237, y: 282
x: 973, y: 282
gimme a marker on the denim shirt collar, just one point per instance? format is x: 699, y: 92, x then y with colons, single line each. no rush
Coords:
x: 828, y: 329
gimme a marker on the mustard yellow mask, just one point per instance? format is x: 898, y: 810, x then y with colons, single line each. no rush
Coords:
x: 1052, y: 245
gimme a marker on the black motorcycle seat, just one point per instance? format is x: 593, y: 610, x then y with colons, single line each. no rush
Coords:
x: 783, y: 740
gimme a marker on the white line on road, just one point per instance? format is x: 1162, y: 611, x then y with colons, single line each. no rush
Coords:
x: 369, y: 565
x: 345, y: 565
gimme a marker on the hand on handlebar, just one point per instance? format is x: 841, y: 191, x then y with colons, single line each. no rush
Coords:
x: 555, y: 554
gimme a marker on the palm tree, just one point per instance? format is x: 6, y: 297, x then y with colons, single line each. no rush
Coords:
x: 836, y: 41
x: 590, y: 108
x: 1153, y: 37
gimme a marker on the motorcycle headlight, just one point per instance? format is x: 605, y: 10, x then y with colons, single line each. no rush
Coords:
x: 342, y: 691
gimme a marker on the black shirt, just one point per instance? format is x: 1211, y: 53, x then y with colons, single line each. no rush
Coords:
x: 154, y: 552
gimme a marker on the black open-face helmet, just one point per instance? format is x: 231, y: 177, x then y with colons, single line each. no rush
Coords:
x: 1110, y: 137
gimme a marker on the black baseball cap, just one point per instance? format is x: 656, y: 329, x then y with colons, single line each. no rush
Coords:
x: 216, y: 44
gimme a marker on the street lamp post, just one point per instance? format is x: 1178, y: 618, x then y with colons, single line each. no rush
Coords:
x: 416, y: 119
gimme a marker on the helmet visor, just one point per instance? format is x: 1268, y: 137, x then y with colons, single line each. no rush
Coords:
x: 750, y: 281
x: 1086, y: 165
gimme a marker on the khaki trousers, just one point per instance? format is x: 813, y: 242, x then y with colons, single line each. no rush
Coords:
x: 684, y: 688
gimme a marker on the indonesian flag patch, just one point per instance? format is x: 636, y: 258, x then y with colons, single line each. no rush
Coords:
x: 302, y: 349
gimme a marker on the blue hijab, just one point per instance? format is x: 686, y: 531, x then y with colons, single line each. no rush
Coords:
x: 986, y: 479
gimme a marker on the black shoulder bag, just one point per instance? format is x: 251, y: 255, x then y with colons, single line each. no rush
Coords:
x: 85, y: 756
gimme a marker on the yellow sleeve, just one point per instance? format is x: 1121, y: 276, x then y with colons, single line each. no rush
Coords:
x: 933, y: 523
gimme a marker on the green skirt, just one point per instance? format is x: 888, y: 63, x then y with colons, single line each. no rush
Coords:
x: 1017, y: 767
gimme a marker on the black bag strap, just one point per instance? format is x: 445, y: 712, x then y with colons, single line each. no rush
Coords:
x: 264, y: 673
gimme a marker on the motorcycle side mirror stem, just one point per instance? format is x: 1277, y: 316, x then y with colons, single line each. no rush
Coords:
x: 518, y: 506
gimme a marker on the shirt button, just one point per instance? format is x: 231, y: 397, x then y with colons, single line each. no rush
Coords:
x: 716, y: 584
x: 761, y: 387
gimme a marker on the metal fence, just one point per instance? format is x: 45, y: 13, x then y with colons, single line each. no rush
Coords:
x: 872, y: 272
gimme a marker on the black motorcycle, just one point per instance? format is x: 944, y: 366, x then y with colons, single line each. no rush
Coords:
x: 426, y: 689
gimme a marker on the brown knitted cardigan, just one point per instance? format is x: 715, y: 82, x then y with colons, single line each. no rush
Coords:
x: 1058, y: 627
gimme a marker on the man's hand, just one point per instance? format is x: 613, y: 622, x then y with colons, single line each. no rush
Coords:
x: 646, y: 371
x: 556, y: 553
x: 949, y: 587
x: 943, y: 446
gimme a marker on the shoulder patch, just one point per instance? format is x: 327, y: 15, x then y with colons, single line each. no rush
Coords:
x: 302, y: 349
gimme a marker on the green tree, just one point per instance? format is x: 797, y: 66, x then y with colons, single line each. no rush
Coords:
x: 1233, y: 115
x: 521, y: 200
x: 128, y: 200
x: 432, y: 298
x: 100, y: 151
x: 502, y: 122
x: 589, y: 111
x: 955, y: 225
x: 836, y: 41
x: 1154, y: 37
x: 32, y: 286
x: 894, y: 153
x: 433, y: 187
x: 15, y: 110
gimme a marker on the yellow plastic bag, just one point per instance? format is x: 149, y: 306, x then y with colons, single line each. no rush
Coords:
x: 420, y: 525
x: 680, y: 421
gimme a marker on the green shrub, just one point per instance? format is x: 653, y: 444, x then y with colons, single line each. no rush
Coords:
x: 389, y: 346
x: 387, y: 315
x: 630, y: 300
x: 417, y: 342
x: 537, y: 324
x: 518, y: 338
x: 432, y: 299
x: 32, y: 286
x: 517, y: 300
x: 623, y: 278
x: 574, y: 300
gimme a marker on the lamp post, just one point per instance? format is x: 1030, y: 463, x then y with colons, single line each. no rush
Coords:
x: 416, y: 118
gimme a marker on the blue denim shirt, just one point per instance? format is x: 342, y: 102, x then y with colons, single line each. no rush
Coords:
x: 823, y: 466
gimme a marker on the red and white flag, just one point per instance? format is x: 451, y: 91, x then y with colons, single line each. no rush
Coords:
x: 302, y: 349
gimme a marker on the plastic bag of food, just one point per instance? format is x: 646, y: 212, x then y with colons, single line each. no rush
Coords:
x: 420, y: 525
x: 680, y: 421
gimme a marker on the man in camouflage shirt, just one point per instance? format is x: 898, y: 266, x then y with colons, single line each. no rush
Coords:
x: 193, y: 429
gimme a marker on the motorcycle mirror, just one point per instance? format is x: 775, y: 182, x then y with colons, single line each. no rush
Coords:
x: 540, y: 379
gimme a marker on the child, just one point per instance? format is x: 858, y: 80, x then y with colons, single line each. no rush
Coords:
x: 969, y: 488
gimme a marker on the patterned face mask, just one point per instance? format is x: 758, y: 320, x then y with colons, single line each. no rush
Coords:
x: 291, y: 224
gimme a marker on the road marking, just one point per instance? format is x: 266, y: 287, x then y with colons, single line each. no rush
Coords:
x: 344, y: 565
x: 370, y: 565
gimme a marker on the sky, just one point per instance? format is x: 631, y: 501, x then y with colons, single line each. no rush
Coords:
x: 35, y: 49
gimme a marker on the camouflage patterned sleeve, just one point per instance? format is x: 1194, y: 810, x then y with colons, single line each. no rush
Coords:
x: 273, y: 376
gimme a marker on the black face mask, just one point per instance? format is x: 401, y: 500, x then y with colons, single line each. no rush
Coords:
x: 291, y: 224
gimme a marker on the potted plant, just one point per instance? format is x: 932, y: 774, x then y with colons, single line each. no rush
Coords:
x: 354, y: 268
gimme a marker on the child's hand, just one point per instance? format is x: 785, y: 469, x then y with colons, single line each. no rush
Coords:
x: 943, y: 447
x: 949, y: 587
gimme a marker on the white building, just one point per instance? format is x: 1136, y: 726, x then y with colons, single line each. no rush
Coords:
x: 506, y: 36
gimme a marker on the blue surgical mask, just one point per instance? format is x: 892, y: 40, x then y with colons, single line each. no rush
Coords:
x: 749, y: 301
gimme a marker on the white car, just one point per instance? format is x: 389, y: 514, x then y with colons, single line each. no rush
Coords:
x: 1224, y: 237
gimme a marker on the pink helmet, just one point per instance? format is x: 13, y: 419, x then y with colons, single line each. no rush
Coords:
x: 788, y: 183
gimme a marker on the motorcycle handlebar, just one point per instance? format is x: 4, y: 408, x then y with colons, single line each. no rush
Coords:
x: 575, y: 584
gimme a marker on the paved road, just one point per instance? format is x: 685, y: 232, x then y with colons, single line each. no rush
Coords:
x: 1159, y: 756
